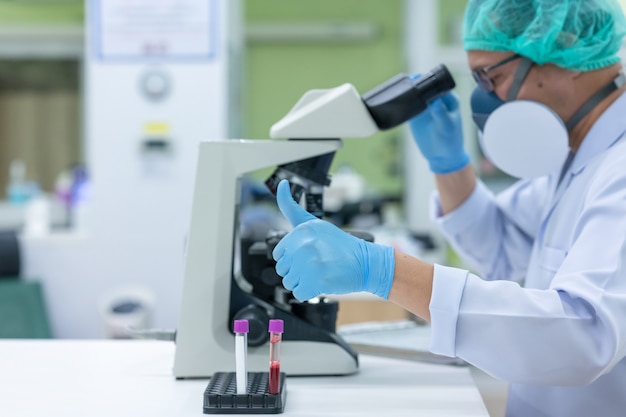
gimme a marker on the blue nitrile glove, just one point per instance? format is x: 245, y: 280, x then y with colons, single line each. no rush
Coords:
x: 439, y: 135
x: 317, y: 257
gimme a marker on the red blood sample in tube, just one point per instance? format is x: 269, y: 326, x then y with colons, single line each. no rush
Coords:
x: 276, y: 335
x: 274, y: 383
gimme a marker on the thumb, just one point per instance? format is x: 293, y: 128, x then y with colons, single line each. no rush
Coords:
x: 288, y: 206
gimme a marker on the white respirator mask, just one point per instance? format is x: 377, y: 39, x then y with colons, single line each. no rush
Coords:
x: 526, y: 139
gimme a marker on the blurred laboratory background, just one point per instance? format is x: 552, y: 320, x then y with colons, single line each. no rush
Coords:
x: 103, y: 104
x: 98, y: 141
x: 100, y: 121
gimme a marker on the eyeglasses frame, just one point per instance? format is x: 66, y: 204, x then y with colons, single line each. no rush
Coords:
x: 482, y: 78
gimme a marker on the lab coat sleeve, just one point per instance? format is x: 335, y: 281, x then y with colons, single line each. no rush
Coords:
x: 494, y: 235
x: 568, y: 334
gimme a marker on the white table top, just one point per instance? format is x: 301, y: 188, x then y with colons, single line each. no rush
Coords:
x: 134, y: 378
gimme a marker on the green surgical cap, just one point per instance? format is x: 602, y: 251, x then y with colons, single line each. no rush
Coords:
x: 580, y: 35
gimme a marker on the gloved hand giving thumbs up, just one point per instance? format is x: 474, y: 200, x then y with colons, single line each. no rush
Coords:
x: 317, y: 257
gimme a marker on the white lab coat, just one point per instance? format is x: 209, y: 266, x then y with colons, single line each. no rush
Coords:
x: 560, y: 339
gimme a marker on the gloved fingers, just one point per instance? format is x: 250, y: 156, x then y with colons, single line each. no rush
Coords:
x: 421, y: 119
x: 289, y: 207
x: 440, y: 113
x: 290, y: 240
x: 283, y: 264
x: 302, y: 293
x: 291, y: 281
x: 435, y: 111
x: 451, y: 101
x: 296, y: 239
x: 279, y: 249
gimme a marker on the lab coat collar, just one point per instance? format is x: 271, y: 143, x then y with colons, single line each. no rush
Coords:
x: 608, y: 129
x: 610, y: 126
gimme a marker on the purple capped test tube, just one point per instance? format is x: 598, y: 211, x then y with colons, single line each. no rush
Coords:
x: 241, y: 356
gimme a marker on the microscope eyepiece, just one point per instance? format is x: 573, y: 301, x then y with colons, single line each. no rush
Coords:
x: 435, y: 83
x: 401, y: 98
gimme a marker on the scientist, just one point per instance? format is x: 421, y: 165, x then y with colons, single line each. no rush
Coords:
x: 548, y: 312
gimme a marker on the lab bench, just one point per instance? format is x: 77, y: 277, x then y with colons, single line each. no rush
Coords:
x: 134, y: 378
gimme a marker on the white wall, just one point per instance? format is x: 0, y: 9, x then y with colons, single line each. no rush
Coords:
x: 139, y: 211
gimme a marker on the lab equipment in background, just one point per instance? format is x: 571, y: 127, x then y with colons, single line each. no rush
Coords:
x: 241, y: 350
x: 23, y: 309
x: 347, y: 201
x: 218, y: 287
x: 258, y: 214
x: 10, y: 260
x: 133, y: 224
x: 276, y: 335
x: 348, y: 187
x: 19, y: 189
x: 126, y: 309
x: 73, y: 189
x: 37, y: 216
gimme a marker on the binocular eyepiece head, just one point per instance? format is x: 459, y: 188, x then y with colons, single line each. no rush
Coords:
x: 403, y: 97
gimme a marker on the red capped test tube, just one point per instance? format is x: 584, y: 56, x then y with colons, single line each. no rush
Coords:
x: 276, y: 329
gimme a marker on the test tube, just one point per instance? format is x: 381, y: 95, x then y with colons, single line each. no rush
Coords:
x: 276, y: 335
x: 241, y: 356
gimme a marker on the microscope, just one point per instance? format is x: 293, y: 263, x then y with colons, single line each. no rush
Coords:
x: 229, y: 277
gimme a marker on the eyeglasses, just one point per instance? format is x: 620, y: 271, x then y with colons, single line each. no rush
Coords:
x: 484, y: 80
